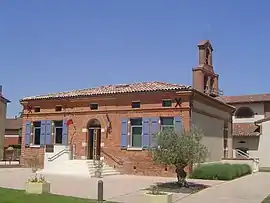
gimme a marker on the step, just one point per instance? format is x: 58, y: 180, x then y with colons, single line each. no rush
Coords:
x: 104, y: 167
x: 106, y: 174
x: 84, y: 168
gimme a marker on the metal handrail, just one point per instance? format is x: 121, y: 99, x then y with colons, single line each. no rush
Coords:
x: 57, y: 155
x: 246, y: 155
x: 119, y: 162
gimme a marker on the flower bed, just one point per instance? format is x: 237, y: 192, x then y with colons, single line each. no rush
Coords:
x: 220, y: 171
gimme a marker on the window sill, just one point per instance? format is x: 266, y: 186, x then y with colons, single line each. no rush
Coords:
x: 34, y: 146
x: 134, y: 149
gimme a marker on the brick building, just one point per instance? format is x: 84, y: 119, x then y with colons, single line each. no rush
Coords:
x: 13, y: 128
x: 116, y: 122
x: 3, y: 112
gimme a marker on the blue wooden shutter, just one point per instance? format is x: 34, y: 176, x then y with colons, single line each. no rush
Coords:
x: 48, y: 132
x: 27, y: 135
x: 42, y: 133
x: 146, y: 132
x: 65, y: 133
x: 153, y: 130
x: 178, y: 124
x: 124, y: 133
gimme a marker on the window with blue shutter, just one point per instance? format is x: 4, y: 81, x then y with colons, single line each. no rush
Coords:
x: 48, y: 133
x: 65, y: 133
x: 136, y: 129
x: 58, y: 132
x: 124, y: 133
x: 27, y: 135
x: 154, y: 129
x: 42, y: 133
x: 146, y: 132
x: 36, y: 140
x: 178, y: 124
x: 167, y: 123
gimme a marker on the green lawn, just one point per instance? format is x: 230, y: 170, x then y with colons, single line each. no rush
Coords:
x: 19, y: 196
x: 266, y: 200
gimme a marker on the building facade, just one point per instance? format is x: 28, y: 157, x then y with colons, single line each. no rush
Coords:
x: 13, y: 136
x: 3, y: 112
x: 117, y: 122
x: 251, y: 126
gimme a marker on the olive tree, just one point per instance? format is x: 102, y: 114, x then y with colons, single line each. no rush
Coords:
x: 179, y: 149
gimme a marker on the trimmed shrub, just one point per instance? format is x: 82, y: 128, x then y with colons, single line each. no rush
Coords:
x: 220, y: 171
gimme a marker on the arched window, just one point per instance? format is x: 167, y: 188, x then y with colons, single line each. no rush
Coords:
x: 244, y: 112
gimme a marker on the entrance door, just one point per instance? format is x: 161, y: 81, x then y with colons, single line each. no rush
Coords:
x: 94, y: 142
x: 91, y: 143
x: 98, y: 143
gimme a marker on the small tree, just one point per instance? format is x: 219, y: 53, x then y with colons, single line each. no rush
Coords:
x: 33, y: 162
x: 180, y: 150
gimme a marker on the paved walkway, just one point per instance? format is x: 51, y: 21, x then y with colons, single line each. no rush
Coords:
x: 119, y: 188
x: 250, y: 189
x: 128, y: 189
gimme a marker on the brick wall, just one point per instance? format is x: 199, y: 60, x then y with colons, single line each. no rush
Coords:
x: 117, y: 107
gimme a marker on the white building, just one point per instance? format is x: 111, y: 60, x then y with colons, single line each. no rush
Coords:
x: 251, y: 126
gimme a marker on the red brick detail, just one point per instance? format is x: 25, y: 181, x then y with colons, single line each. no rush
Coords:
x: 11, y: 141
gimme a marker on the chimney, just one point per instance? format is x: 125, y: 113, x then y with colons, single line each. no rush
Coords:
x: 1, y: 90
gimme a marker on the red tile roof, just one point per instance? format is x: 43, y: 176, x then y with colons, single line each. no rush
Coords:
x: 114, y: 89
x: 245, y: 129
x: 245, y: 98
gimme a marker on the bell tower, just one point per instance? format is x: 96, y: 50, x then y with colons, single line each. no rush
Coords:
x: 204, y: 77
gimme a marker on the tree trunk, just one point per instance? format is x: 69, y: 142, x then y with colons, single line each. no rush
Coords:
x: 181, y: 175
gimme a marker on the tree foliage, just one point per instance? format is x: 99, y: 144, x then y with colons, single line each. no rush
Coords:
x: 180, y: 149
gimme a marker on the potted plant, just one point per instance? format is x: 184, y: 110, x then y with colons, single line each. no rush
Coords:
x: 98, y: 168
x: 36, y: 184
x: 155, y: 196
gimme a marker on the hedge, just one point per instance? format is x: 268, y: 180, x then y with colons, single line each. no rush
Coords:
x: 220, y: 171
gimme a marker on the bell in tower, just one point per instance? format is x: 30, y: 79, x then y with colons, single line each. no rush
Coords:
x: 204, y: 77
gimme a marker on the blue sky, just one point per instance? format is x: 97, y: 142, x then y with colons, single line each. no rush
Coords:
x: 58, y: 45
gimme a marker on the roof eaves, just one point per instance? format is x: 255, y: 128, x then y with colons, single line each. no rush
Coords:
x: 47, y: 97
x: 215, y: 99
x: 262, y: 120
x: 4, y: 99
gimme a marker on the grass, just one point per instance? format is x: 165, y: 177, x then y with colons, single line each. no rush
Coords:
x: 266, y: 200
x: 19, y: 196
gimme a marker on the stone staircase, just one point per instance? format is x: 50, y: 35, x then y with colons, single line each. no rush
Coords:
x: 106, y: 169
x: 83, y: 168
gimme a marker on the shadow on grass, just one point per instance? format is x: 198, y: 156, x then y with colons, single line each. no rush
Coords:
x: 176, y: 188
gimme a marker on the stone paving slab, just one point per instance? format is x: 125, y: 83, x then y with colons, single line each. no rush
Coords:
x: 249, y: 189
x: 128, y: 189
x: 121, y: 188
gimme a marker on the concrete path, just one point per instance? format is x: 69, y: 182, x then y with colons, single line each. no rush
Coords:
x: 129, y: 189
x: 119, y: 188
x: 250, y: 189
